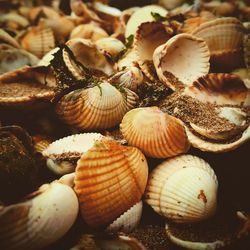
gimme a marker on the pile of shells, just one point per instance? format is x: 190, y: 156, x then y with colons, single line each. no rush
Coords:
x: 113, y: 115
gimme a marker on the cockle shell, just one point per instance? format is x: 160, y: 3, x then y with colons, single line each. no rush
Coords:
x: 43, y: 11
x: 220, y: 89
x: 99, y: 107
x: 170, y: 4
x: 156, y: 133
x: 38, y: 41
x: 90, y: 31
x: 185, y: 56
x: 183, y: 189
x: 13, y: 21
x: 110, y: 178
x: 8, y: 39
x: 128, y: 60
x: 41, y: 220
x: 128, y: 221
x: 224, y: 37
x: 89, y: 55
x: 63, y: 154
x: 142, y: 15
x: 12, y: 58
x: 45, y: 61
x: 41, y: 143
x: 247, y: 53
x: 25, y: 86
x: 148, y: 37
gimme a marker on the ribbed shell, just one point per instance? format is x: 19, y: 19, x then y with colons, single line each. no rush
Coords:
x: 8, y: 39
x: 156, y: 133
x: 185, y: 56
x: 148, y: 37
x: 183, y: 189
x: 99, y: 107
x: 128, y: 221
x: 110, y: 178
x: 224, y: 37
x: 220, y: 89
x: 39, y: 221
x: 38, y: 41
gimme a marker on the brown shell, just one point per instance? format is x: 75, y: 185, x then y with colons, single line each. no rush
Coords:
x: 110, y: 178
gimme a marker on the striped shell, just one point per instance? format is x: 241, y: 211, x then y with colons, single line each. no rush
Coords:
x: 184, y: 56
x: 38, y: 41
x: 156, y: 133
x: 31, y: 224
x: 183, y: 189
x: 99, y: 107
x: 110, y: 179
x: 224, y: 37
x: 128, y: 221
x: 8, y: 39
x: 63, y: 154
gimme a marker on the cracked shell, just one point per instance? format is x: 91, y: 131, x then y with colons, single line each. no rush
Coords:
x: 183, y: 189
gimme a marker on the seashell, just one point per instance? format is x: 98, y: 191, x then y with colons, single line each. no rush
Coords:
x: 45, y: 61
x: 173, y: 194
x: 246, y: 44
x: 241, y: 72
x: 11, y: 59
x: 90, y: 31
x: 13, y: 21
x: 142, y: 15
x: 170, y: 4
x: 157, y: 134
x: 129, y: 78
x: 89, y: 55
x: 110, y: 178
x: 38, y: 41
x: 121, y: 242
x: 26, y: 86
x: 126, y: 14
x: 63, y: 154
x: 224, y: 37
x: 111, y: 47
x: 220, y: 8
x: 8, y: 39
x: 217, y: 147
x: 184, y: 56
x: 128, y: 221
x: 148, y: 37
x: 99, y: 107
x: 42, y: 11
x: 41, y: 143
x: 31, y: 224
x: 128, y: 60
x: 105, y: 9
x: 220, y: 89
x: 192, y: 23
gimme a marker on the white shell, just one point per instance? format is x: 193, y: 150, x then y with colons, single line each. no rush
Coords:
x: 183, y: 189
x: 128, y: 221
x: 45, y: 61
x: 39, y: 221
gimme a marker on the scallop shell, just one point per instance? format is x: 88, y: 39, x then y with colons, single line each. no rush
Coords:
x: 185, y: 56
x: 27, y: 86
x: 89, y: 55
x: 41, y: 143
x: 128, y: 221
x: 105, y: 9
x: 247, y: 53
x: 110, y: 178
x: 45, y: 61
x: 128, y: 60
x: 8, y: 39
x: 148, y: 37
x: 142, y: 15
x: 224, y: 37
x: 170, y: 4
x: 99, y: 107
x: 220, y: 89
x: 90, y: 31
x: 38, y: 41
x: 63, y: 154
x: 156, y: 133
x: 13, y: 21
x: 183, y: 189
x: 31, y: 224
x: 44, y: 11
x: 12, y: 58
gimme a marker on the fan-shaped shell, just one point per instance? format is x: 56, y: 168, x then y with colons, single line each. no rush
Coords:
x: 170, y: 4
x: 183, y: 189
x: 128, y: 221
x: 99, y: 107
x: 142, y: 15
x: 89, y: 55
x: 224, y: 37
x: 184, y: 56
x: 31, y: 224
x: 45, y: 11
x: 38, y: 41
x: 13, y: 21
x: 220, y: 89
x: 128, y: 60
x: 110, y: 178
x: 45, y: 61
x: 41, y: 142
x: 63, y: 154
x: 156, y: 133
x: 148, y: 37
x: 8, y: 39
